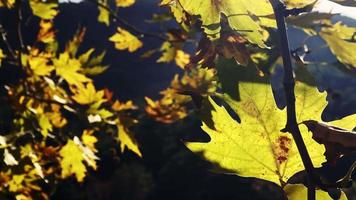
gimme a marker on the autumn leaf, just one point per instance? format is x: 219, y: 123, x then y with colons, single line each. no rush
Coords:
x: 40, y: 65
x: 170, y: 108
x: 125, y: 40
x: 87, y: 94
x: 300, y: 192
x: 298, y: 3
x: 46, y: 33
x: 7, y: 3
x: 104, y: 14
x: 2, y: 56
x: 199, y: 81
x: 73, y: 45
x: 73, y: 156
x: 89, y: 139
x: 341, y: 41
x: 69, y: 69
x: 242, y: 17
x: 172, y: 52
x: 44, y: 9
x: 124, y: 3
x: 338, y: 141
x: 126, y: 140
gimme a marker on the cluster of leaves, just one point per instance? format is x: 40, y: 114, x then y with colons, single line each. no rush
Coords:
x: 58, y: 113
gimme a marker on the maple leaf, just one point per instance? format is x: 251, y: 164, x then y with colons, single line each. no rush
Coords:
x: 298, y: 3
x: 199, y: 81
x: 7, y: 4
x: 40, y: 65
x: 44, y: 9
x: 126, y: 140
x: 300, y: 192
x: 341, y: 41
x: 2, y: 56
x: 69, y: 68
x: 125, y: 40
x: 172, y: 52
x: 73, y: 156
x: 169, y: 108
x: 46, y: 33
x: 256, y: 147
x: 87, y: 94
x: 242, y: 17
x: 124, y: 3
x: 104, y: 14
x: 89, y: 139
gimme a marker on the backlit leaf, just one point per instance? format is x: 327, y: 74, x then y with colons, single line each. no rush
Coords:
x: 88, y: 94
x: 125, y: 40
x: 243, y: 16
x: 300, y: 192
x: 104, y: 15
x: 124, y: 3
x: 298, y: 3
x: 46, y: 33
x: 40, y: 65
x: 68, y: 68
x: 126, y: 140
x: 256, y: 147
x: 342, y: 42
x: 44, y: 9
x: 73, y: 156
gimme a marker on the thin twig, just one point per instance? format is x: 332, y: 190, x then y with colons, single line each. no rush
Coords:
x: 7, y: 43
x: 289, y: 83
x: 18, y: 6
x: 126, y: 24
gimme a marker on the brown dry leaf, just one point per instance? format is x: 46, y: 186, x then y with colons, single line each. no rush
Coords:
x: 233, y: 46
x: 337, y: 141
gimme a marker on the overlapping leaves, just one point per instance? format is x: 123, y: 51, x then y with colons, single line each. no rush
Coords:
x: 256, y: 147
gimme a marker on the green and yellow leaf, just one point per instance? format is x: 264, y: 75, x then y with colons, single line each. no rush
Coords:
x: 242, y: 17
x: 256, y: 147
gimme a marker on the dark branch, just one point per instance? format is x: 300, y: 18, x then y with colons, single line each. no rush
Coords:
x: 289, y: 83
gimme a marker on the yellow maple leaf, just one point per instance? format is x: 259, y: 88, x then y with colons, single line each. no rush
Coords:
x: 7, y: 3
x: 69, y: 69
x: 104, y: 15
x: 87, y: 94
x: 2, y: 56
x: 124, y: 3
x: 182, y: 58
x: 126, y: 140
x: 44, y: 9
x: 89, y: 139
x: 125, y: 40
x: 16, y: 183
x: 73, y: 154
x: 121, y: 106
x: 39, y: 65
x: 72, y: 161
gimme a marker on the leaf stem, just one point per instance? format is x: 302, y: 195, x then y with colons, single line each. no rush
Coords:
x: 289, y: 83
x: 125, y: 23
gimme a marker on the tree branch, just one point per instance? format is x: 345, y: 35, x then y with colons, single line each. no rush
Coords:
x: 289, y: 83
x: 126, y: 24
